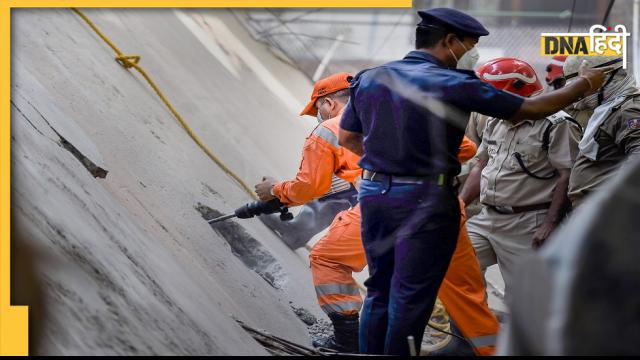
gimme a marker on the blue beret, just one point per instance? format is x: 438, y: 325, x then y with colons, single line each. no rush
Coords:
x: 453, y: 19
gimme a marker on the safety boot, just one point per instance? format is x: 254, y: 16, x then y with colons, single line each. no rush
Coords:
x: 455, y: 346
x: 345, y: 334
x: 437, y: 341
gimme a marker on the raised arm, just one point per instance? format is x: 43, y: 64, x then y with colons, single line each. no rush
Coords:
x: 539, y: 107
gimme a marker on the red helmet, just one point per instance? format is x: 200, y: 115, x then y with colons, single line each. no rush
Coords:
x: 554, y: 69
x: 512, y: 75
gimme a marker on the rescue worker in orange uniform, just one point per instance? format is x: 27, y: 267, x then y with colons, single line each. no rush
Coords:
x: 340, y: 252
x: 463, y: 290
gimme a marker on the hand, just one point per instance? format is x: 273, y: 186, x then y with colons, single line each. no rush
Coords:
x: 595, y: 77
x: 463, y: 210
x: 542, y: 234
x: 263, y: 189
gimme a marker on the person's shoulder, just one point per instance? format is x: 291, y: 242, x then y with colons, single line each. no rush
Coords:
x: 396, y: 66
x: 360, y: 78
x: 629, y: 114
x: 332, y: 124
x: 479, y: 119
x: 626, y: 114
x: 464, y: 74
x: 632, y: 104
x: 562, y: 118
x: 458, y: 74
x: 360, y: 74
x: 462, y: 79
x: 328, y: 130
x: 369, y: 73
x: 373, y: 78
x: 492, y: 124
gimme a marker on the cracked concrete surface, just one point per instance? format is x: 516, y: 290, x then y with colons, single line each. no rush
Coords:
x: 105, y: 182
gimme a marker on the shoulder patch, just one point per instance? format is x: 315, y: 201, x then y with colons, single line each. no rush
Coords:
x: 633, y: 124
x: 559, y: 117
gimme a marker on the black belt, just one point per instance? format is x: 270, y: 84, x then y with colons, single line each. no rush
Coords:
x: 519, y: 209
x: 442, y: 179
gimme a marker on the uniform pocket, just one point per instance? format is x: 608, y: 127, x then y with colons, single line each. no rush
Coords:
x: 529, y: 154
x: 492, y: 150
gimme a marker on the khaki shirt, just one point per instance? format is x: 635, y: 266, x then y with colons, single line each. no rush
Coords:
x: 475, y: 127
x: 503, y: 181
x: 618, y: 139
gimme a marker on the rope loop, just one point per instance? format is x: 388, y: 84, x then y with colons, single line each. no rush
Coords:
x: 128, y: 61
x: 131, y: 61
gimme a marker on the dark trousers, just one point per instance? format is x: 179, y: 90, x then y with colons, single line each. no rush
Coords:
x: 409, y: 232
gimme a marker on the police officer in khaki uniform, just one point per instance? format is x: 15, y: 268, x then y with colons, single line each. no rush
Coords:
x: 522, y: 174
x: 612, y: 135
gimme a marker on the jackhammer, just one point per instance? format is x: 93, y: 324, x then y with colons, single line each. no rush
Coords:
x: 256, y: 208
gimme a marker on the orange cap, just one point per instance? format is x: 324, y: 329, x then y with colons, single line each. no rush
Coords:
x: 325, y: 87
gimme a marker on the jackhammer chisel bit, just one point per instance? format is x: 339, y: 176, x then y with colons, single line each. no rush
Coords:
x: 256, y: 208
x: 221, y: 218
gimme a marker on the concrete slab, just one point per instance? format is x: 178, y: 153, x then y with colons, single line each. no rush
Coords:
x: 129, y: 265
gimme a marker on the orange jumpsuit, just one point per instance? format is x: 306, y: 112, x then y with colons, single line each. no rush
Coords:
x: 340, y: 252
x: 463, y: 290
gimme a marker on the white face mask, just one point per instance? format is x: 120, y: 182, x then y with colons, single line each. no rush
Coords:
x: 468, y: 60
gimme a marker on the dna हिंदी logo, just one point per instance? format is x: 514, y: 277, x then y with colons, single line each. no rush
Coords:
x: 599, y: 41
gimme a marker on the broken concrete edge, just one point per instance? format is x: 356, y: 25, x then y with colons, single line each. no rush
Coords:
x: 95, y: 170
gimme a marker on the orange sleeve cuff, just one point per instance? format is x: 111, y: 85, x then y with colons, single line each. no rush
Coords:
x: 467, y: 150
x: 277, y: 190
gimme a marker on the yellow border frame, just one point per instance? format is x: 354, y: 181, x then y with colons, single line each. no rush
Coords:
x: 13, y: 319
x: 14, y: 339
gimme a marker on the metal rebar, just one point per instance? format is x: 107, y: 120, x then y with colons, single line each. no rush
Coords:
x: 606, y: 15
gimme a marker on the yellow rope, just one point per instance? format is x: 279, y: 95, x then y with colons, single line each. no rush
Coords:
x: 131, y: 61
